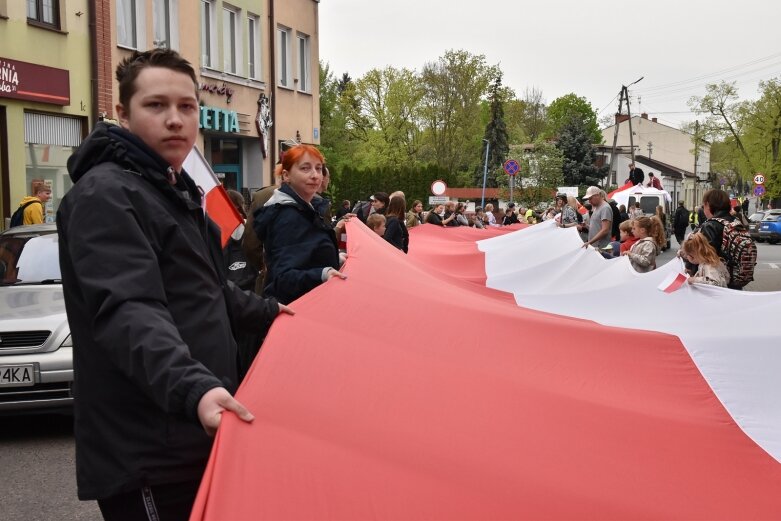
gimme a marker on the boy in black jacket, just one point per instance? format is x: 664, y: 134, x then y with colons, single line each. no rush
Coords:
x: 148, y: 302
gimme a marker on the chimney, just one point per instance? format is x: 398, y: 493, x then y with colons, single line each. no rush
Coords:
x: 621, y: 118
x: 644, y: 115
x: 654, y: 120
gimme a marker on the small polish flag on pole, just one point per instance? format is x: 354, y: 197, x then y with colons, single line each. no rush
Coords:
x: 218, y: 205
x: 672, y: 282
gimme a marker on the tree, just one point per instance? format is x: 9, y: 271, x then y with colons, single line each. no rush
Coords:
x: 576, y: 145
x: 495, y: 135
x: 562, y: 110
x: 390, y: 100
x: 534, y: 113
x: 454, y: 84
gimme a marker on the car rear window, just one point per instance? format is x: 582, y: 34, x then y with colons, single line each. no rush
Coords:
x: 29, y: 258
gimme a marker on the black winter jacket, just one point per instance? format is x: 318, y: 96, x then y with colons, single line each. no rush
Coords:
x: 298, y: 245
x: 150, y: 312
x: 396, y: 233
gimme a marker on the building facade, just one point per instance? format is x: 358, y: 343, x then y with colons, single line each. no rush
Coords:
x: 257, y: 64
x: 664, y: 150
x: 45, y: 96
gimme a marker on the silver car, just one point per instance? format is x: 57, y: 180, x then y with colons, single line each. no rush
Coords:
x: 36, y: 352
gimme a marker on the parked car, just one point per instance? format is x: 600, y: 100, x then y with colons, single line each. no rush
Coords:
x: 753, y: 225
x: 36, y: 352
x: 770, y: 226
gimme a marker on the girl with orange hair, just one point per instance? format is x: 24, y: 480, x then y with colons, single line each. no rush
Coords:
x: 698, y: 250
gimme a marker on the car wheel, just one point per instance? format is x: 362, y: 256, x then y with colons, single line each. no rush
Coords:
x: 773, y: 241
x: 760, y: 240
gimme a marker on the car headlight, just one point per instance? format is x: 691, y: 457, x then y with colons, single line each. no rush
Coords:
x: 67, y: 342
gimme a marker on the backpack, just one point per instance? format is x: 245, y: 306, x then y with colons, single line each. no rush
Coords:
x: 739, y: 252
x: 17, y: 219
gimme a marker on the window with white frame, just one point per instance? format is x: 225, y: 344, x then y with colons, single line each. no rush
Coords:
x: 164, y: 24
x: 229, y: 40
x: 208, y: 34
x: 253, y: 41
x: 284, y: 57
x: 304, y: 83
x: 130, y: 23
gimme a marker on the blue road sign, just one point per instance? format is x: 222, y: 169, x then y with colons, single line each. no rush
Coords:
x: 511, y: 167
x: 759, y: 190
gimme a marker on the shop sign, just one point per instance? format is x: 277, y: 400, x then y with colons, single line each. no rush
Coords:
x: 31, y: 82
x: 222, y: 90
x: 220, y: 120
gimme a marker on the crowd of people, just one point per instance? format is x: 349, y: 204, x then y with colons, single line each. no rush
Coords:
x: 167, y: 319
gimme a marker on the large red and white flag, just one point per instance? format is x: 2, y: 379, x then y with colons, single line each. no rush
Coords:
x: 492, y: 375
x: 217, y: 204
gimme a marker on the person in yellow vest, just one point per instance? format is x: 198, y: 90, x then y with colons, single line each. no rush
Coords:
x: 531, y: 216
x: 33, y: 212
x: 694, y: 220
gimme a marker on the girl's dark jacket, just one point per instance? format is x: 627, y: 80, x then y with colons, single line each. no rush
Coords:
x: 299, y: 247
x: 150, y: 312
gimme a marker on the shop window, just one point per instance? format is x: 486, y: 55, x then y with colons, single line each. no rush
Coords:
x: 225, y: 152
x: 45, y: 12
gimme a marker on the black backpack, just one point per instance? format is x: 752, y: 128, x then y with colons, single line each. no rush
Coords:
x: 17, y: 219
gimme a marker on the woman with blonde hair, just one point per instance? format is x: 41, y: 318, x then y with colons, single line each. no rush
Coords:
x: 569, y: 211
x: 650, y: 235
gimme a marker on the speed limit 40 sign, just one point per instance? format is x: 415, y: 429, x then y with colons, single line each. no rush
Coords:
x: 759, y: 179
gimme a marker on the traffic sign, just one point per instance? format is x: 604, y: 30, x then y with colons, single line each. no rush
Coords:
x: 511, y: 167
x: 438, y: 187
x: 759, y: 190
x: 759, y: 179
x: 437, y: 199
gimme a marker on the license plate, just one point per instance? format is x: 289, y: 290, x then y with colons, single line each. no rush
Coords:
x: 765, y: 226
x: 17, y: 375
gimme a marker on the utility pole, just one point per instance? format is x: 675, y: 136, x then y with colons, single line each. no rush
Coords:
x: 696, y: 159
x: 623, y: 95
x: 485, y: 171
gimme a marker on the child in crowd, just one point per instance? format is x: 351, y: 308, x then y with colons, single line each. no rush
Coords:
x: 698, y: 250
x: 650, y: 235
x: 628, y: 239
x: 376, y: 222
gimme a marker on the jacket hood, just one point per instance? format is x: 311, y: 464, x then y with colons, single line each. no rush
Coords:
x: 110, y: 143
x: 28, y: 199
x: 284, y: 196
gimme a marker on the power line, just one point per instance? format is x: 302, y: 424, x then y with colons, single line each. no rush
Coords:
x: 702, y: 77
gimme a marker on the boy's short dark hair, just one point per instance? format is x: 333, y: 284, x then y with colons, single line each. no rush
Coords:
x: 718, y: 200
x: 129, y: 69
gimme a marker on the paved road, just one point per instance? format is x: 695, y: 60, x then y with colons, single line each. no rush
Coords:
x: 37, y: 470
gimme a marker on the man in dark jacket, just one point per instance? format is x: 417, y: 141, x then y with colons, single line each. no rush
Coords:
x: 636, y: 174
x: 680, y: 222
x: 147, y: 301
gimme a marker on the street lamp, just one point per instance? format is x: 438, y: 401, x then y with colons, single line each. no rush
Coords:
x: 485, y: 170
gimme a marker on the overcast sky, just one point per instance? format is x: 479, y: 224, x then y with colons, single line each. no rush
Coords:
x: 590, y: 47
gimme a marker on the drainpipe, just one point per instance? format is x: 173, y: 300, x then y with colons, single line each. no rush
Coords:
x: 93, y: 51
x: 273, y: 85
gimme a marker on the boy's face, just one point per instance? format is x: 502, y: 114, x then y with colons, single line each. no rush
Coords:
x: 380, y: 229
x: 163, y: 112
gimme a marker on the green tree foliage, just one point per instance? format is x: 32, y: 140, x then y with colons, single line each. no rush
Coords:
x: 576, y: 145
x: 562, y: 110
x: 540, y: 176
x: 495, y: 135
x: 455, y: 84
x: 390, y: 100
x: 746, y: 135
